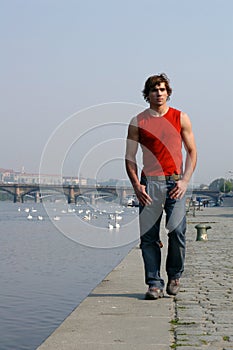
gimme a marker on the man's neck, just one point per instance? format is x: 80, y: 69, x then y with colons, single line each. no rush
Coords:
x: 158, y: 111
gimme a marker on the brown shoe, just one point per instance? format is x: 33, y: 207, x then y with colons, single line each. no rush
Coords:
x: 154, y: 293
x: 173, y: 287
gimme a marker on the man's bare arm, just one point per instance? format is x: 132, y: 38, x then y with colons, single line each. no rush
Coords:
x: 191, y: 157
x: 131, y: 163
x: 190, y: 147
x: 131, y: 151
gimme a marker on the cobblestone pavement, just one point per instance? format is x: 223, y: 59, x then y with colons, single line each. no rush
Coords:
x: 204, y: 307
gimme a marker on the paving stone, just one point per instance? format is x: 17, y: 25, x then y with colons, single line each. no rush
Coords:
x: 207, y: 291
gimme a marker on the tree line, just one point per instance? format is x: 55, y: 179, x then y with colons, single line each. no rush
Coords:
x: 222, y: 185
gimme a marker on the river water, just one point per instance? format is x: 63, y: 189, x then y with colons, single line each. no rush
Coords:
x: 44, y: 274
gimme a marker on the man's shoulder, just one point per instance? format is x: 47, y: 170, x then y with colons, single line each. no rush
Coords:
x: 174, y: 110
x: 143, y: 112
x: 142, y: 115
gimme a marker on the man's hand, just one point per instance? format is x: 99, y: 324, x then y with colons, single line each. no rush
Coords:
x: 142, y: 196
x: 179, y: 190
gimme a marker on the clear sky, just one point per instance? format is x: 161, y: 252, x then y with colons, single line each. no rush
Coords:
x: 61, y: 57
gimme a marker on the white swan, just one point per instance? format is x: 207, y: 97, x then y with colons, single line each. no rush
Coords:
x: 87, y: 217
x: 110, y: 226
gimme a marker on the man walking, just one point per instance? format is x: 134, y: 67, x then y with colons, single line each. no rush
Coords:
x: 161, y: 131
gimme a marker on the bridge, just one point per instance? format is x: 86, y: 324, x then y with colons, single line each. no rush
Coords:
x: 71, y: 192
x: 215, y: 195
x: 90, y: 192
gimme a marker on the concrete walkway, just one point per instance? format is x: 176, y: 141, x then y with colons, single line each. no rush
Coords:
x: 116, y: 316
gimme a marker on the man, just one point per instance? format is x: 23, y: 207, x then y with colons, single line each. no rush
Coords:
x: 161, y: 131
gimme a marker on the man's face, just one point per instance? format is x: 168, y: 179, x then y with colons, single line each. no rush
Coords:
x: 158, y: 95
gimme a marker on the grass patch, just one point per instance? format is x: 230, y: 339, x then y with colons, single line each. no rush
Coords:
x: 226, y: 338
x: 174, y: 346
x: 176, y: 322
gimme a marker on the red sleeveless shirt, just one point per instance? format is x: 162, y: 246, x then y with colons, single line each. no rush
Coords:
x: 161, y: 143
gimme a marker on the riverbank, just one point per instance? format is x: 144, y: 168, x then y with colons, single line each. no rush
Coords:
x: 116, y: 316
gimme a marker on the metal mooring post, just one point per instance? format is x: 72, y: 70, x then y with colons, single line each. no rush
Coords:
x: 202, y: 232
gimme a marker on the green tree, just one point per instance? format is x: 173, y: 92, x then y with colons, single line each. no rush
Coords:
x: 227, y: 186
x: 216, y: 184
x: 222, y: 185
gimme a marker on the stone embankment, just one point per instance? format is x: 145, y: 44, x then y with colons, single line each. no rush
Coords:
x: 116, y: 316
x: 204, y: 307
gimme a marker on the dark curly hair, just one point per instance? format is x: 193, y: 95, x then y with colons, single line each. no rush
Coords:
x: 153, y: 81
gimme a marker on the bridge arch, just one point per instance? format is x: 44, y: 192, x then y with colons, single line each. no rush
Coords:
x: 72, y: 192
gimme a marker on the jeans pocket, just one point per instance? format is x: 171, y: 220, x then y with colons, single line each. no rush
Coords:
x: 170, y: 185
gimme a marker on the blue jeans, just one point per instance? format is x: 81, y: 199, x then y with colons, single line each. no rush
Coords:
x: 149, y: 220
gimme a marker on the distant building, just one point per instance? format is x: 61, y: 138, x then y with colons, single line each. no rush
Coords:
x: 21, y: 177
x: 70, y: 180
x: 11, y: 176
x: 7, y: 175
